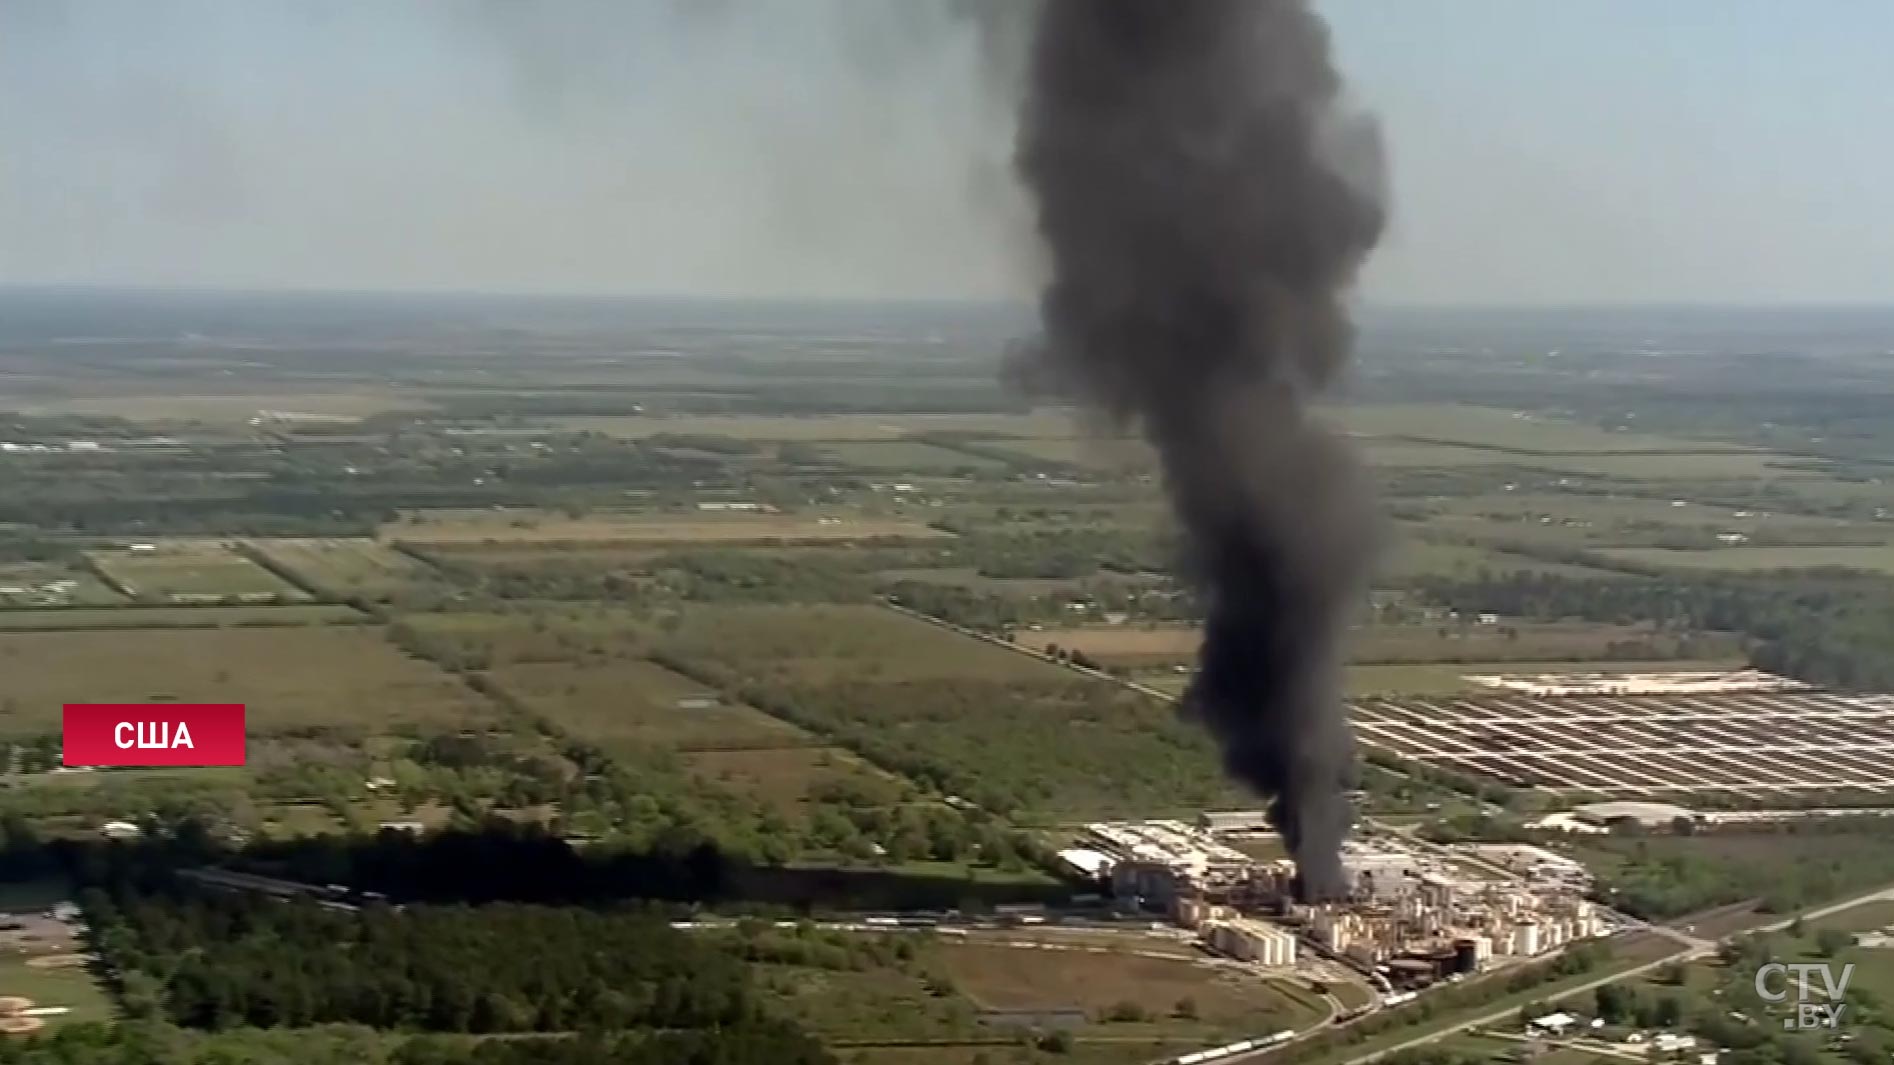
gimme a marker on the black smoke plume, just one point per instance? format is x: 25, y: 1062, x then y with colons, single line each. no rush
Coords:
x: 1205, y: 199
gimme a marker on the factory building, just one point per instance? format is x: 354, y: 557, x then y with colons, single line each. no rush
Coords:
x: 1250, y: 940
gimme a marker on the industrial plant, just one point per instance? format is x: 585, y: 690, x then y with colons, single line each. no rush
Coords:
x: 1414, y: 914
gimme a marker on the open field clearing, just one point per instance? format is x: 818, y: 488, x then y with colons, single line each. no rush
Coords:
x: 1628, y: 520
x: 537, y: 632
x: 1509, y: 640
x: 1867, y: 917
x: 1762, y: 746
x: 522, y: 525
x: 1449, y: 678
x: 1735, y: 466
x: 179, y: 617
x: 1878, y: 559
x: 1491, y: 427
x: 1003, y: 729
x: 972, y: 579
x: 1385, y: 454
x: 845, y: 643
x: 238, y: 410
x: 1170, y: 943
x: 1408, y: 556
x: 183, y: 571
x: 45, y: 584
x: 345, y: 568
x: 530, y: 558
x: 1105, y: 453
x: 1018, y: 978
x: 788, y: 779
x: 1118, y: 644
x: 641, y: 703
x: 1396, y: 645
x: 1039, y: 425
x: 61, y: 983
x: 912, y: 455
x: 346, y: 676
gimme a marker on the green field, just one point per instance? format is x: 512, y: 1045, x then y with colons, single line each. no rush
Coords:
x: 286, y: 677
x: 1388, y: 454
x: 525, y: 525
x: 819, y: 428
x: 637, y: 702
x: 70, y: 986
x: 1878, y: 559
x: 1510, y: 640
x: 844, y: 644
x: 180, y: 571
x: 789, y: 780
x: 26, y: 585
x: 345, y: 568
x: 895, y: 455
x: 1409, y: 556
x: 1094, y: 452
x: 179, y: 617
x: 1006, y: 730
x: 1491, y: 427
x: 236, y: 410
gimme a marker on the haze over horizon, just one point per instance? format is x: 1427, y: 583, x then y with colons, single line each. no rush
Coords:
x: 1703, y: 152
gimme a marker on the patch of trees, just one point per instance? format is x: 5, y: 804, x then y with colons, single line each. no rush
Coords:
x: 1659, y: 877
x: 1055, y: 553
x: 224, y: 960
x: 1014, y: 745
x: 706, y: 442
x: 730, y: 576
x: 1833, y: 629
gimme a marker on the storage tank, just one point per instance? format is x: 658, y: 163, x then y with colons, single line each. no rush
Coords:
x: 1466, y: 956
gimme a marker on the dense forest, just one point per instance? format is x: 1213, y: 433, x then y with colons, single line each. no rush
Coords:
x: 1785, y: 866
x: 224, y: 960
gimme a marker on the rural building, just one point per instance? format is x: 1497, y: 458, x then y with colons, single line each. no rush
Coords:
x: 1552, y: 1023
x: 1234, y: 821
x: 1086, y: 862
x: 1644, y: 814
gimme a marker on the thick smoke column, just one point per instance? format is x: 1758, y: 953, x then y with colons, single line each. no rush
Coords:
x: 1205, y: 202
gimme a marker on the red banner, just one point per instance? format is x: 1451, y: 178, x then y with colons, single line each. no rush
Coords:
x: 154, y: 734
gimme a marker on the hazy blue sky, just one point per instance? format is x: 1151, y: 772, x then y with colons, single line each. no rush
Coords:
x: 1543, y: 150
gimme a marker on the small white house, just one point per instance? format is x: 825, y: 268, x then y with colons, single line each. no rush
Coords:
x: 1552, y: 1023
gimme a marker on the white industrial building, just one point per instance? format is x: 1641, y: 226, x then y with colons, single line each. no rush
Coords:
x: 1251, y: 940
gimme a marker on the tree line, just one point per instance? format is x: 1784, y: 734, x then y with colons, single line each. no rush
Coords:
x: 1829, y: 628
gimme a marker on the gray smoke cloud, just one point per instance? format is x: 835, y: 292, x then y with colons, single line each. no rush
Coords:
x: 1205, y: 199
